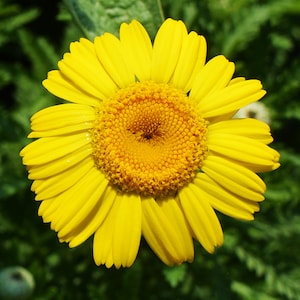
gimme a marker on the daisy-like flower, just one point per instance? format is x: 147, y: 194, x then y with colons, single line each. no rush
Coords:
x: 147, y: 146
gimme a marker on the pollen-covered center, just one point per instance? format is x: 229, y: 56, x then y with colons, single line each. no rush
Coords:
x: 149, y: 139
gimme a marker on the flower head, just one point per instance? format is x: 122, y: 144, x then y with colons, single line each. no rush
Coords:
x: 256, y: 110
x: 147, y: 146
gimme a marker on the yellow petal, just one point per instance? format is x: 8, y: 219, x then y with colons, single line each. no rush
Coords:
x: 84, y: 54
x: 174, y: 213
x: 234, y: 177
x: 191, y: 61
x: 62, y: 119
x: 54, y: 185
x: 137, y: 48
x: 82, y: 70
x: 79, y: 224
x: 221, y: 118
x: 224, y: 201
x: 127, y: 230
x: 73, y: 129
x: 60, y: 164
x: 46, y: 208
x: 62, y: 116
x: 47, y: 149
x: 112, y: 57
x: 160, y: 229
x: 81, y: 76
x: 61, y: 87
x: 103, y: 238
x: 116, y: 241
x: 215, y: 75
x: 236, y: 80
x: 201, y: 217
x: 250, y: 128
x: 94, y: 220
x: 244, y: 149
x: 74, y: 198
x: 231, y: 98
x: 166, y: 49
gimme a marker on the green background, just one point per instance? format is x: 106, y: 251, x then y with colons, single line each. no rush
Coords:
x: 259, y: 259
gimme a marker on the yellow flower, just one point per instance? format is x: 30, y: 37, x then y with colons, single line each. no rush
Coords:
x: 148, y: 146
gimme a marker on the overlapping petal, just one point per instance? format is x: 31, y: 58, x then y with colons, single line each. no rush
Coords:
x: 166, y: 231
x: 80, y: 73
x: 103, y: 239
x: 62, y: 119
x: 251, y: 128
x: 223, y: 200
x: 234, y: 177
x: 166, y: 49
x: 80, y: 226
x: 47, y: 208
x: 111, y: 56
x: 127, y: 230
x: 117, y: 240
x: 52, y: 186
x: 137, y: 49
x: 230, y: 98
x: 215, y: 76
x: 191, y: 60
x: 201, y: 217
x: 60, y: 86
x: 48, y: 149
x: 60, y: 164
x: 72, y: 200
x: 255, y: 155
x: 91, y: 221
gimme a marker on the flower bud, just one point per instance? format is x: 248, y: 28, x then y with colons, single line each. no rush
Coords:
x: 16, y: 283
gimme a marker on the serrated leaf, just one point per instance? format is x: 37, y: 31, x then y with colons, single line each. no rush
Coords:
x: 95, y: 17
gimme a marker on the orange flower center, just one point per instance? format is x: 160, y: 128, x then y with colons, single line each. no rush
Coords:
x: 149, y: 139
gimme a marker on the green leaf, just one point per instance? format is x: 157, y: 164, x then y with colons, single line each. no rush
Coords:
x: 247, y: 293
x: 175, y: 275
x: 10, y: 20
x: 95, y: 17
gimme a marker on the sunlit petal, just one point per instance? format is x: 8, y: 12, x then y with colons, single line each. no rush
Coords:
x: 166, y: 49
x: 163, y: 234
x: 137, y: 48
x: 201, y: 217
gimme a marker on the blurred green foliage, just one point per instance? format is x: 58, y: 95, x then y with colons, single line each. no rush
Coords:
x: 95, y: 17
x: 259, y: 260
